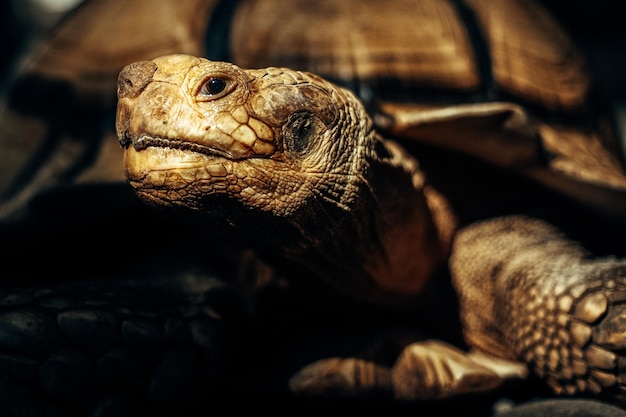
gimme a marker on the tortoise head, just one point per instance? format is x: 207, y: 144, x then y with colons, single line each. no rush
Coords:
x: 270, y: 138
x: 280, y: 157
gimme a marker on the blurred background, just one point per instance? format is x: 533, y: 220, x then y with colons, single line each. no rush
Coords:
x: 23, y: 21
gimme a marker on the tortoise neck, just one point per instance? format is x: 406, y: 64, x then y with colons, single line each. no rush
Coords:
x: 387, y: 246
x: 413, y: 229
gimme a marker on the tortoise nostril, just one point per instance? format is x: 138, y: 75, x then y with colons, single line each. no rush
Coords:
x: 134, y: 77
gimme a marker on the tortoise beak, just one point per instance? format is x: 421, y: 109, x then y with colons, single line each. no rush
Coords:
x: 130, y: 83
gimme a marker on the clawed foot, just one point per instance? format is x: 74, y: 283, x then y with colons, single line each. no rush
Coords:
x: 579, y: 344
x: 395, y: 367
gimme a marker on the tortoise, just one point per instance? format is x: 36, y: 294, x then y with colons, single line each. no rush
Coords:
x: 412, y: 195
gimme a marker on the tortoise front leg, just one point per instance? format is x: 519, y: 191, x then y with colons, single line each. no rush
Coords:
x: 529, y: 293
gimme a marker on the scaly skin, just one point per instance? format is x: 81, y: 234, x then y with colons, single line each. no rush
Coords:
x: 290, y: 164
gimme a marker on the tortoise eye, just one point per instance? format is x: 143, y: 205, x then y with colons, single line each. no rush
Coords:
x: 214, y: 88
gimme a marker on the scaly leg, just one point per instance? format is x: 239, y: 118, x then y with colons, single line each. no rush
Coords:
x: 529, y: 293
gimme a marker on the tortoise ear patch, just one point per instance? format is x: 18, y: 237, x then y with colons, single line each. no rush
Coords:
x: 300, y: 132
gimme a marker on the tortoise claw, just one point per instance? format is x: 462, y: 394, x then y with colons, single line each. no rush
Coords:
x: 602, y: 367
x: 433, y: 369
x: 423, y: 370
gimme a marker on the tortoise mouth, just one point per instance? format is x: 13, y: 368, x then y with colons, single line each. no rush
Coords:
x: 167, y: 155
x: 144, y: 141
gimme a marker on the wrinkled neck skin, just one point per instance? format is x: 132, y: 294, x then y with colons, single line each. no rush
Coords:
x: 412, y: 226
x: 384, y: 246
